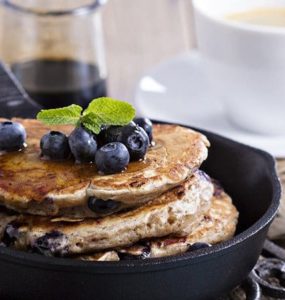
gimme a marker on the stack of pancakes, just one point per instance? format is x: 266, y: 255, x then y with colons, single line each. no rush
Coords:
x: 160, y: 206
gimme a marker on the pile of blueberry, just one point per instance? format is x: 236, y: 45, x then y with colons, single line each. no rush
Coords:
x: 112, y: 149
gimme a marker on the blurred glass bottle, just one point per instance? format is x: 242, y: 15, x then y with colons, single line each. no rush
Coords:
x: 55, y: 49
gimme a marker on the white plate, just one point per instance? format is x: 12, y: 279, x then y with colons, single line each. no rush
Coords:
x: 178, y: 91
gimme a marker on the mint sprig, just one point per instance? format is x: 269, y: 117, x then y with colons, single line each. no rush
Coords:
x: 101, y: 111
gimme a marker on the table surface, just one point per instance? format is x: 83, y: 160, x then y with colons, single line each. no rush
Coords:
x: 140, y: 34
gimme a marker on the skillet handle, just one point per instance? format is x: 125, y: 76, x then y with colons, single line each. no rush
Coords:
x: 252, y: 288
x: 274, y: 250
x: 264, y: 273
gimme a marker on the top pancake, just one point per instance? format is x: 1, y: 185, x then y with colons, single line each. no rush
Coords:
x: 52, y: 188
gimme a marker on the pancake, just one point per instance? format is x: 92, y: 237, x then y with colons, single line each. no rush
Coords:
x: 174, y: 212
x: 217, y: 225
x: 29, y: 184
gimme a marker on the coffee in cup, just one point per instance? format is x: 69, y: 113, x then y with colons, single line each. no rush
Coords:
x: 269, y: 16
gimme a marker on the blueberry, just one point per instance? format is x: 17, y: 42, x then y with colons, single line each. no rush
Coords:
x: 103, y: 206
x: 52, y: 243
x: 12, y: 136
x: 101, y: 136
x: 111, y: 134
x: 112, y: 158
x: 146, y: 124
x: 136, y: 140
x: 132, y: 136
x: 197, y: 246
x: 83, y: 145
x: 114, y: 133
x: 11, y: 233
x: 54, y: 145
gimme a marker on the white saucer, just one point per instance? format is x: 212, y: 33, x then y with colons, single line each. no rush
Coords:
x: 178, y: 91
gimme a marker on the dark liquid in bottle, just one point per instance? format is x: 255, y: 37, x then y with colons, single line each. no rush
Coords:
x: 57, y: 83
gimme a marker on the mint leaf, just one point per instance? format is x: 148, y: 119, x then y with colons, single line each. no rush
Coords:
x: 69, y: 115
x: 108, y: 111
x: 90, y: 121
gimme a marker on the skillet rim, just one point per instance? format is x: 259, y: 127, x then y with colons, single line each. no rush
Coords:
x: 157, y: 264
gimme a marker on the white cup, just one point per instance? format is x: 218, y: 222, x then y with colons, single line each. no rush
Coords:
x: 245, y: 63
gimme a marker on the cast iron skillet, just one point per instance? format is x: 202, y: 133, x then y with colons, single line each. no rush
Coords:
x: 247, y: 174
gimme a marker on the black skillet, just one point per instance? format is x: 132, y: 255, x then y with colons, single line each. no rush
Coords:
x: 247, y: 174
